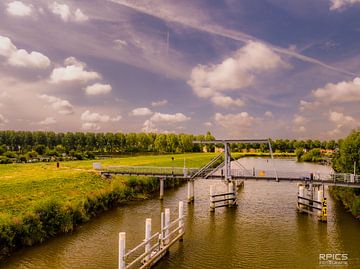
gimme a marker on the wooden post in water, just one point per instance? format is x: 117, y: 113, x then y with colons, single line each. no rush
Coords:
x: 181, y: 220
x: 122, y: 238
x: 161, y: 188
x: 319, y: 197
x: 189, y: 192
x: 231, y: 195
x: 167, y: 223
x: 300, y: 194
x: 192, y: 190
x: 212, y: 193
x: 147, y: 237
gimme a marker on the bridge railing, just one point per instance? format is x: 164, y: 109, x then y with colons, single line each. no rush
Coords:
x: 152, y: 170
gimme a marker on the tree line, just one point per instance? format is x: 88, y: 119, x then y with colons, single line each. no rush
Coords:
x: 26, y: 145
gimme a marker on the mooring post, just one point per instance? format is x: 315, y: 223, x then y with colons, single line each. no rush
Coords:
x: 192, y: 190
x: 234, y: 188
x: 231, y: 195
x: 147, y: 238
x: 319, y: 199
x: 161, y: 188
x: 189, y: 192
x: 162, y: 227
x: 122, y: 238
x: 181, y: 218
x: 212, y: 193
x: 300, y: 194
x: 167, y: 223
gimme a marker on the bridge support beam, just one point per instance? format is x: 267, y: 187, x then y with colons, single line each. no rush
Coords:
x: 161, y: 197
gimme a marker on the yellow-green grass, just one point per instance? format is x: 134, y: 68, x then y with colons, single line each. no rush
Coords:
x: 24, y: 186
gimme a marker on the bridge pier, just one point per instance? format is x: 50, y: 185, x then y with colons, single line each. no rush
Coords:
x: 311, y: 200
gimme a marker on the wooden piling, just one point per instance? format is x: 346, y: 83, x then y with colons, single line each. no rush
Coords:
x: 122, y: 239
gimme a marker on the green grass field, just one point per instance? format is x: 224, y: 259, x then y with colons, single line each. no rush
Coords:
x: 23, y: 186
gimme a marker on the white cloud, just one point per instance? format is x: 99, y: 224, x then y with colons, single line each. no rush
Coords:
x: 97, y: 89
x: 141, y: 111
x: 20, y: 57
x: 236, y: 72
x: 18, y: 8
x: 226, y: 101
x: 63, y: 107
x: 169, y: 118
x: 208, y: 124
x: 94, y: 117
x: 47, y: 121
x: 338, y: 4
x: 116, y: 119
x: 62, y: 10
x: 149, y: 126
x: 66, y: 14
x: 159, y: 103
x: 345, y: 91
x: 24, y: 59
x: 73, y: 71
x: 299, y: 129
x: 299, y: 120
x: 80, y: 16
x: 90, y: 126
x: 119, y: 43
x: 340, y: 119
x: 239, y: 122
x: 268, y: 114
x: 3, y: 120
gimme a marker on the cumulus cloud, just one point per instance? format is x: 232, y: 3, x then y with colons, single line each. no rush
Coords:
x: 141, y: 111
x: 94, y: 117
x: 339, y: 4
x: 73, y: 71
x: 268, y: 114
x: 18, y: 8
x: 236, y: 72
x: 343, y: 123
x: 90, y: 126
x: 98, y: 88
x: 159, y: 103
x: 169, y: 118
x: 62, y: 106
x: 149, y: 126
x: 119, y: 43
x: 340, y: 119
x: 345, y: 91
x: 20, y: 57
x: 226, y: 101
x: 299, y: 120
x: 3, y: 120
x: 208, y: 124
x: 47, y: 121
x: 299, y: 129
x: 66, y: 14
x: 240, y: 122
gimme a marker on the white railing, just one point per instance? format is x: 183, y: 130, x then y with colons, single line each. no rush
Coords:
x: 154, y: 246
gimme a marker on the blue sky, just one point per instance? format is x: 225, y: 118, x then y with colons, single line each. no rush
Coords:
x: 241, y: 69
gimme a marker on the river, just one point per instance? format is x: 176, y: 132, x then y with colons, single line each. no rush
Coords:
x: 264, y: 231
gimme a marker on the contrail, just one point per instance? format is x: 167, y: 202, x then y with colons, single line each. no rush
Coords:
x: 220, y: 31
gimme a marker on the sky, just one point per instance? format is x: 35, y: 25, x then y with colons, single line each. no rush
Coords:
x: 237, y: 68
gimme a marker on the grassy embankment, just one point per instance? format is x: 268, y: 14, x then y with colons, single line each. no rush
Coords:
x: 38, y: 201
x: 349, y: 197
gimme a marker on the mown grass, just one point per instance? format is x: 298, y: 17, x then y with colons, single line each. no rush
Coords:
x: 39, y: 200
x: 23, y: 186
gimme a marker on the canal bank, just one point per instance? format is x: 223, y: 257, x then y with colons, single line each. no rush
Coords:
x: 264, y: 231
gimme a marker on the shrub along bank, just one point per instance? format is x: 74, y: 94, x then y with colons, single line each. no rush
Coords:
x: 52, y: 216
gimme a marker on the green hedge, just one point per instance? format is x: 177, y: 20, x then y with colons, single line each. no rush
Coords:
x: 350, y: 197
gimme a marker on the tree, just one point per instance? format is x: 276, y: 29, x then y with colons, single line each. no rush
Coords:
x: 348, y: 154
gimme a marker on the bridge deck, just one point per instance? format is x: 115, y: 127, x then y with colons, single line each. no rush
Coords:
x: 345, y: 180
